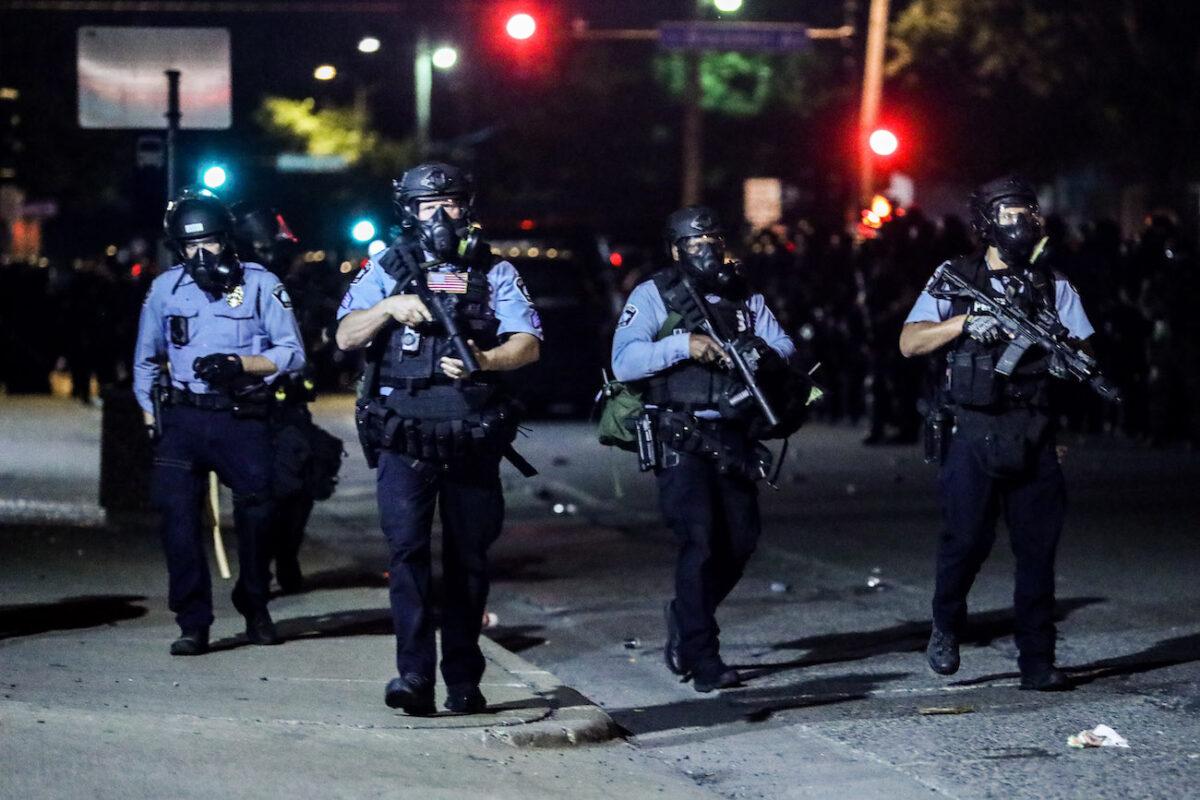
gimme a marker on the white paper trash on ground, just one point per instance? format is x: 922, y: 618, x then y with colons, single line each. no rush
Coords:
x: 1099, y: 736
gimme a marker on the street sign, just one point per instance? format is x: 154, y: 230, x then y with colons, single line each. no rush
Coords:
x: 771, y: 37
x: 303, y: 162
x: 122, y: 82
x: 763, y: 201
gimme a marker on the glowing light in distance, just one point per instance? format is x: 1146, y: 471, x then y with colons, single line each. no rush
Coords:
x: 445, y: 57
x: 728, y: 6
x: 883, y: 142
x: 214, y: 177
x: 325, y: 72
x: 520, y: 26
x: 368, y: 44
x: 363, y: 230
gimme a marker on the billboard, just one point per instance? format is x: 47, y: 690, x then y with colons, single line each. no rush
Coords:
x: 122, y: 82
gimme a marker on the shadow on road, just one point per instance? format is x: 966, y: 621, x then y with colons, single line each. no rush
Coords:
x: 355, y: 577
x: 360, y: 622
x: 1167, y: 653
x: 516, y: 638
x: 750, y: 704
x: 70, y: 613
x: 907, y: 637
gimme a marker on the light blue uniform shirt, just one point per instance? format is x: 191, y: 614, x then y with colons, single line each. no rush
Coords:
x: 507, y: 296
x: 262, y: 324
x: 1066, y: 300
x: 636, y: 354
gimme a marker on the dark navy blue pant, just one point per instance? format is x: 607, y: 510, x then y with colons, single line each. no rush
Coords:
x: 471, y: 503
x: 1034, y: 506
x: 195, y: 442
x: 716, y: 524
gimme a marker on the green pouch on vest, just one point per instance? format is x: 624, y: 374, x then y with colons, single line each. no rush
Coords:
x: 622, y: 407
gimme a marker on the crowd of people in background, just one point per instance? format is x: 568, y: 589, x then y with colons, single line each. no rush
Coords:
x: 844, y: 302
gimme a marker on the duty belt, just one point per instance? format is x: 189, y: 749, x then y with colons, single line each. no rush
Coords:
x: 209, y: 401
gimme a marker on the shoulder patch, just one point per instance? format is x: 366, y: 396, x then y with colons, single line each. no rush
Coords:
x: 280, y: 293
x: 523, y: 289
x: 627, y: 315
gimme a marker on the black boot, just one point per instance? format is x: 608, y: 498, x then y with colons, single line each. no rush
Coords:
x: 260, y: 628
x: 671, y: 649
x: 717, y: 676
x: 942, y: 652
x: 411, y: 693
x: 1047, y: 678
x: 191, y: 643
x: 465, y: 700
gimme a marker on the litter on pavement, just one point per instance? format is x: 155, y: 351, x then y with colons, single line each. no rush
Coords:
x: 1099, y: 736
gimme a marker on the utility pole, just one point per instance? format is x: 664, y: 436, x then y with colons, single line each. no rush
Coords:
x: 871, y: 95
x: 423, y: 73
x: 172, y: 116
x: 693, y: 133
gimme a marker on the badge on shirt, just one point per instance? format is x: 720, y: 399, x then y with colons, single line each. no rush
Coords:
x: 235, y: 297
x: 280, y: 293
x: 630, y: 311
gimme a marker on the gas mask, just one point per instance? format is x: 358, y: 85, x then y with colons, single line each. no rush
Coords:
x: 214, y: 273
x: 703, y: 258
x: 1015, y: 236
x: 450, y: 239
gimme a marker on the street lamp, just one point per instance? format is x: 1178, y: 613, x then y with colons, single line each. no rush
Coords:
x: 368, y: 44
x: 728, y: 6
x: 325, y: 72
x: 445, y: 57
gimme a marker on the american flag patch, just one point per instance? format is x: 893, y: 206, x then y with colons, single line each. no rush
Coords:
x: 449, y: 282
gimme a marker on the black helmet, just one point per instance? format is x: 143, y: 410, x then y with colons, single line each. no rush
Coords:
x: 705, y: 262
x: 263, y: 233
x: 191, y: 217
x: 443, y: 236
x: 1014, y: 240
x: 692, y: 221
x: 434, y: 179
x: 1013, y: 188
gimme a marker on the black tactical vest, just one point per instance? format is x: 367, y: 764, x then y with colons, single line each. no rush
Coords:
x: 971, y: 380
x: 411, y: 357
x: 689, y: 384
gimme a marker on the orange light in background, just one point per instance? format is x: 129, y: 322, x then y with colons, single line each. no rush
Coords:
x: 616, y: 259
x: 881, y: 207
x: 528, y: 224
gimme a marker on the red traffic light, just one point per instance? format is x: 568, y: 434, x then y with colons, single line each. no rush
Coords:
x: 883, y: 142
x: 520, y: 26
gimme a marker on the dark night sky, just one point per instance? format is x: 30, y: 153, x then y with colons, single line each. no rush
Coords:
x: 275, y: 53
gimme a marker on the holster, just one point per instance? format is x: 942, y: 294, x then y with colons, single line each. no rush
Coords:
x: 729, y: 447
x: 1007, y: 440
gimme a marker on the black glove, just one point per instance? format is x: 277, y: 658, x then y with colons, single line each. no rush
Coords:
x: 218, y: 369
x: 983, y: 328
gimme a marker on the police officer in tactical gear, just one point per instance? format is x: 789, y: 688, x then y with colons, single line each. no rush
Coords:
x: 435, y: 432
x: 225, y: 330
x: 1001, y: 451
x: 708, y: 456
x: 307, y: 459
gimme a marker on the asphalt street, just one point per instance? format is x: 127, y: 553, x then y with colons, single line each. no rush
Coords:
x: 829, y: 623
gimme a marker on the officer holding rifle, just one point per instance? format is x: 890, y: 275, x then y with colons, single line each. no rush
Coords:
x: 439, y: 316
x: 705, y: 353
x: 1006, y: 326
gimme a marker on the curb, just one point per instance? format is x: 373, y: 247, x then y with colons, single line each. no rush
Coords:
x: 573, y: 720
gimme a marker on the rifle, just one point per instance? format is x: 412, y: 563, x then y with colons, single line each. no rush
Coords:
x: 715, y: 327
x: 1066, y: 360
x: 410, y: 276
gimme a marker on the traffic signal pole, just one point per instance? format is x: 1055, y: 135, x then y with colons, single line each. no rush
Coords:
x: 872, y: 95
x: 173, y: 114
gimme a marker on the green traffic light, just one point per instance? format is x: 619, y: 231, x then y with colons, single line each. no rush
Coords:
x: 363, y: 230
x: 214, y: 177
